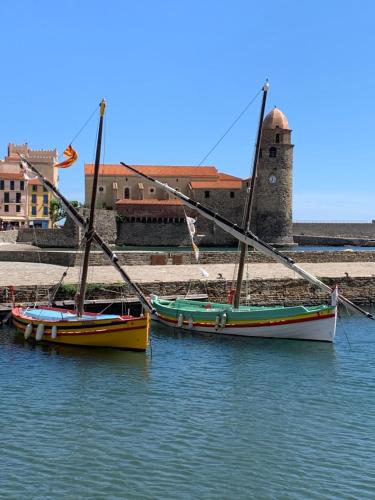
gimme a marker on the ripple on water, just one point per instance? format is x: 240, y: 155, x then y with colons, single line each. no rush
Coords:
x: 204, y: 417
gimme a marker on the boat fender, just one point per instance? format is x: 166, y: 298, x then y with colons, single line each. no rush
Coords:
x: 217, y: 322
x: 180, y: 321
x: 223, y: 320
x: 28, y: 331
x: 54, y: 332
x: 39, y: 332
x: 190, y: 323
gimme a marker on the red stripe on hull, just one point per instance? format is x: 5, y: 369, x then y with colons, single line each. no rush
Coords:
x: 252, y: 325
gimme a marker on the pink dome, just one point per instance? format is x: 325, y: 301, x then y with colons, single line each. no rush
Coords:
x: 276, y: 118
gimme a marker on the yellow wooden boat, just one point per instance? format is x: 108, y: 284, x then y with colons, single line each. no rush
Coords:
x: 79, y: 327
x: 62, y: 326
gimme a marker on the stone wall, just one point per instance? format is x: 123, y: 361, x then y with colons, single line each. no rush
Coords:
x: 126, y: 258
x: 285, y: 292
x: 9, y: 236
x: 70, y: 235
x: 148, y: 234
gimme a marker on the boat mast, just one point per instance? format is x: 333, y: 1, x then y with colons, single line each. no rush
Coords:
x: 82, y: 223
x: 249, y: 201
x: 89, y: 235
x: 250, y: 239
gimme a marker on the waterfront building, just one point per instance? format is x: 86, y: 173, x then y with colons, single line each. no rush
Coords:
x: 24, y: 202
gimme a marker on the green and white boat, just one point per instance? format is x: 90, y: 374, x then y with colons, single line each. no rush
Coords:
x: 298, y: 322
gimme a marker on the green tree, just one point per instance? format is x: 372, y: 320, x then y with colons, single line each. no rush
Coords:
x: 57, y: 211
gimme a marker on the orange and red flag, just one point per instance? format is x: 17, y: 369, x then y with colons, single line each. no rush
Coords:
x: 71, y: 156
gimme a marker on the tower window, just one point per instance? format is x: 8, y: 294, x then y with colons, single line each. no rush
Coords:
x: 126, y: 193
x: 206, y: 194
x: 232, y: 194
x: 101, y: 189
x: 260, y: 153
x: 277, y: 138
x: 273, y: 152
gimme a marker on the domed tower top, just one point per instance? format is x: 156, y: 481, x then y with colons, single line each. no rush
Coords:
x: 276, y: 118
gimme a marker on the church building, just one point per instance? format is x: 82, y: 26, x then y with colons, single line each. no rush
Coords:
x: 149, y: 216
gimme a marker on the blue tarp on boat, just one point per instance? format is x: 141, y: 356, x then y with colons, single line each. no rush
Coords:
x: 49, y: 315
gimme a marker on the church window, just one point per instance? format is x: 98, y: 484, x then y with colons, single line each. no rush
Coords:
x: 126, y: 193
x: 277, y: 138
x: 273, y: 152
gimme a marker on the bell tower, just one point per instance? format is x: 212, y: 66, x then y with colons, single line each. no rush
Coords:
x: 272, y: 220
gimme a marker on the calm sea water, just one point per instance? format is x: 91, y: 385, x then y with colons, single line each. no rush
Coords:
x: 202, y: 418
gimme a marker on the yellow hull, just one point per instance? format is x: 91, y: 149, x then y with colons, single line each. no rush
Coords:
x: 126, y: 333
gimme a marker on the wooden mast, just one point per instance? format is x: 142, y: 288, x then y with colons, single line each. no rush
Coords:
x: 249, y: 202
x: 90, y: 225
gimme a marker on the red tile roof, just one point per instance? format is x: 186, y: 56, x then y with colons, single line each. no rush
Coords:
x: 154, y: 170
x: 216, y: 185
x: 228, y: 177
x: 148, y: 202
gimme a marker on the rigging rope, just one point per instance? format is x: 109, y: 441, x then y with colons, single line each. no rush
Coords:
x: 230, y: 128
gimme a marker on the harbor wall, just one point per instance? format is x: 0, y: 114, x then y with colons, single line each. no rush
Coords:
x: 362, y: 230
x: 97, y: 258
x: 361, y: 290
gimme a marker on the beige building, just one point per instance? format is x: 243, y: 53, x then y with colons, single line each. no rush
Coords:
x: 25, y: 202
x: 117, y: 184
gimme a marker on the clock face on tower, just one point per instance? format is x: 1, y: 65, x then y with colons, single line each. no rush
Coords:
x: 272, y: 179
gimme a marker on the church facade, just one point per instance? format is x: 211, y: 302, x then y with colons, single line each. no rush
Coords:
x: 148, y: 216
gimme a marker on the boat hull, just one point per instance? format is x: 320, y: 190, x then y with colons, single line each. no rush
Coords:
x: 123, y: 332
x: 299, y: 323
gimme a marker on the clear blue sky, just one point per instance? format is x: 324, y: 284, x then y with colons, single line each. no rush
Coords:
x: 177, y: 73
